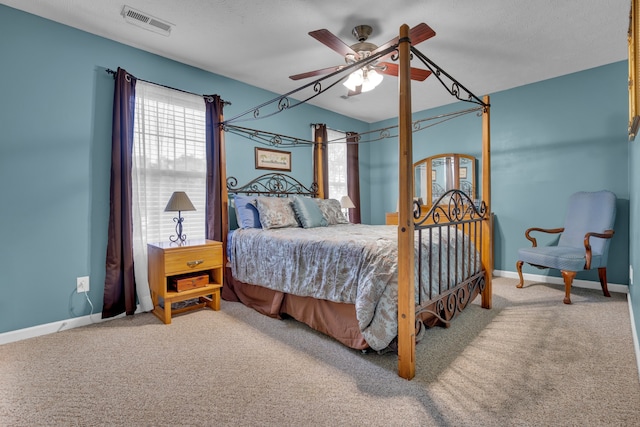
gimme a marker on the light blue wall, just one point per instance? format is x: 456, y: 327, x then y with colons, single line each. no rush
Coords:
x: 55, y: 138
x: 548, y: 140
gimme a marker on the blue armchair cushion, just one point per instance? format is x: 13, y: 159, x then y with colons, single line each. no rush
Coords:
x: 589, y: 212
x: 559, y: 257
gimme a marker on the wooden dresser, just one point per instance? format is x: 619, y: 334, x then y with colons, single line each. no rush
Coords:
x: 194, y: 258
x: 391, y: 218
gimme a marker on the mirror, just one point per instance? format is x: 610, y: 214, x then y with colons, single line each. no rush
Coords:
x: 435, y: 175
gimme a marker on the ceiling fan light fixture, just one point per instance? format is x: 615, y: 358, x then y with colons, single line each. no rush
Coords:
x: 355, y: 79
x: 371, y: 80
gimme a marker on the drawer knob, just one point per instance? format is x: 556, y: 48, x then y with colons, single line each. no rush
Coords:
x: 195, y: 263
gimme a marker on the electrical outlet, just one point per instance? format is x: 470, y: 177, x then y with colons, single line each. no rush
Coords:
x: 630, y: 274
x: 82, y: 284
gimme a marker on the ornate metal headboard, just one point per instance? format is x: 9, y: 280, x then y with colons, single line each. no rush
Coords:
x: 272, y: 184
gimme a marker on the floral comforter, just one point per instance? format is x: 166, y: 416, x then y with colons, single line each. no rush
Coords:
x: 347, y: 263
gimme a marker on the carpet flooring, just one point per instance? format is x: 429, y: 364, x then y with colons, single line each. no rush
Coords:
x: 529, y: 361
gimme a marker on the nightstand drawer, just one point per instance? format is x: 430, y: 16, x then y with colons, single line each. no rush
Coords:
x: 192, y: 259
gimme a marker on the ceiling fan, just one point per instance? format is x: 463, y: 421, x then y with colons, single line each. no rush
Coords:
x: 369, y: 76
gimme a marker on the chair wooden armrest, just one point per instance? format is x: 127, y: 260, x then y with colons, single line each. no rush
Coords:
x: 542, y: 230
x: 587, y: 246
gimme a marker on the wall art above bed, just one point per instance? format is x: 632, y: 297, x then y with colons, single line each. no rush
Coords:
x: 267, y: 158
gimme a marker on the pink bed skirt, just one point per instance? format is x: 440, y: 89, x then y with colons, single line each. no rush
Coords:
x: 337, y: 320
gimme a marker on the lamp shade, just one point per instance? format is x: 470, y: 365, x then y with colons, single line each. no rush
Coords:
x: 346, y: 202
x: 354, y: 80
x: 179, y: 201
x: 371, y: 80
x: 364, y: 77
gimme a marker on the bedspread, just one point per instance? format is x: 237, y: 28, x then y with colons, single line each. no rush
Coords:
x: 346, y: 263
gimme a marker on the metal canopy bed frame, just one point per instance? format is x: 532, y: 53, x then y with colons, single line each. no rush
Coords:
x: 459, y: 211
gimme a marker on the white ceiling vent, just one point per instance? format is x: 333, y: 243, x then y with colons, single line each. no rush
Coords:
x: 146, y: 21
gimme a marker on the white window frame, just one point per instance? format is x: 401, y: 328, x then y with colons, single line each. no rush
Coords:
x: 169, y: 154
x: 337, y: 164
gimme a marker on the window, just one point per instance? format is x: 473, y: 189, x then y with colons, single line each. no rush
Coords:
x: 169, y: 154
x: 337, y: 159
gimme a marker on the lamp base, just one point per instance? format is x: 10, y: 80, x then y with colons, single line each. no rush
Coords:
x: 179, y: 238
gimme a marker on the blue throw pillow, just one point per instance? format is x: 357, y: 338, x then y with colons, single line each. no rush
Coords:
x: 246, y: 212
x: 308, y: 212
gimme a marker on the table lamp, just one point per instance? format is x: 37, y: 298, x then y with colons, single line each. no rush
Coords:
x: 179, y: 202
x: 346, y: 203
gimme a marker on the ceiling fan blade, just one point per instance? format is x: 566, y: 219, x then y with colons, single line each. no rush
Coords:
x: 420, y: 33
x: 416, y: 73
x: 327, y: 38
x: 417, y: 34
x: 315, y: 73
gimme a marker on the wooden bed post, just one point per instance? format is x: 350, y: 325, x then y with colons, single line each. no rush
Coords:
x: 224, y: 195
x: 319, y: 177
x: 406, y: 292
x: 487, y: 224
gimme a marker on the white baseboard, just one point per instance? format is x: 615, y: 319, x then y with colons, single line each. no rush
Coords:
x: 53, y: 327
x: 540, y: 278
x: 634, y: 334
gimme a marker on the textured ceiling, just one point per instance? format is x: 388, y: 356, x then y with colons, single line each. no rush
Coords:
x: 488, y: 45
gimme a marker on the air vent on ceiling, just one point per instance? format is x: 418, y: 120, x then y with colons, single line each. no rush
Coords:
x: 146, y: 21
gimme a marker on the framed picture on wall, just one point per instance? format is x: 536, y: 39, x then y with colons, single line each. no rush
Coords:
x: 267, y: 158
x: 463, y: 173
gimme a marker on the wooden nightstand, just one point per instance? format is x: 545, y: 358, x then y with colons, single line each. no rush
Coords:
x: 167, y: 260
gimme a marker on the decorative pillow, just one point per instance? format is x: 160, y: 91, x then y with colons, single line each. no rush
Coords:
x: 308, y: 212
x: 246, y: 212
x: 276, y: 212
x: 332, y: 211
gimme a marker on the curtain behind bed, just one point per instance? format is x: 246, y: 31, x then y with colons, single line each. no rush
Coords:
x: 353, y: 176
x: 216, y: 214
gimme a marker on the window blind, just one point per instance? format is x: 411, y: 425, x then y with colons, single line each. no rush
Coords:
x: 337, y: 158
x: 169, y: 154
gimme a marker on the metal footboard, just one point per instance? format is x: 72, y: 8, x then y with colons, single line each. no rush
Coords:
x: 449, y: 248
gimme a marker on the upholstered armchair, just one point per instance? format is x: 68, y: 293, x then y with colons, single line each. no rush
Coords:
x: 583, y: 243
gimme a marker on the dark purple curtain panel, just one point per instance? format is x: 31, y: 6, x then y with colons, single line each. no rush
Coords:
x: 353, y: 176
x: 119, y: 282
x: 320, y: 138
x: 215, y: 152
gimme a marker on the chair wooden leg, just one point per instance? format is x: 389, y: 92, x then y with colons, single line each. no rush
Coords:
x: 568, y: 281
x: 519, y: 268
x: 602, y: 273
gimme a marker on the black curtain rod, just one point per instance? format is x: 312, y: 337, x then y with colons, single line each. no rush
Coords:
x: 168, y: 87
x: 328, y: 128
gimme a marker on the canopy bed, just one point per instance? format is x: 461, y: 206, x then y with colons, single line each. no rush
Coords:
x: 422, y: 272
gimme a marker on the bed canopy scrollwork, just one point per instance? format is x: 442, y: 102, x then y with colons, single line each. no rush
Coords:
x: 313, y: 89
x: 272, y: 184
